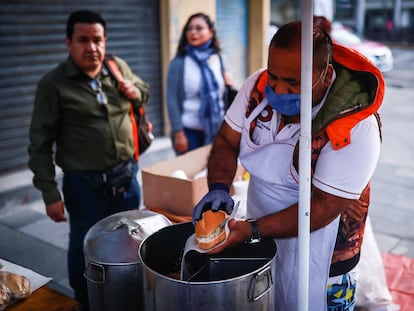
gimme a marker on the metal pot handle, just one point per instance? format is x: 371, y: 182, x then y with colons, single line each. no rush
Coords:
x: 134, y: 228
x: 94, y: 269
x: 264, y: 273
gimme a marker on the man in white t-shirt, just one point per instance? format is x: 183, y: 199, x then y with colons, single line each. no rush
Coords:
x: 262, y: 127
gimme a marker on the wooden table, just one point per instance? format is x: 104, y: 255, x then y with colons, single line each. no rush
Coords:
x: 44, y: 299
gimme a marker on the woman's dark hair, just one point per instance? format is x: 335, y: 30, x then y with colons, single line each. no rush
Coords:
x: 84, y: 17
x: 289, y: 36
x: 183, y: 39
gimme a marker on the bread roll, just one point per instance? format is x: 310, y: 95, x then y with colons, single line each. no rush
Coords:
x: 18, y: 285
x: 209, y: 230
x: 5, y: 296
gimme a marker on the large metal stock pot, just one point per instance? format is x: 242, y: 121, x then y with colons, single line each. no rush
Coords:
x: 239, y: 278
x: 113, y: 268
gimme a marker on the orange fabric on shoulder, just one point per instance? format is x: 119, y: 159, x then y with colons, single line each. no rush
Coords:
x: 339, y: 131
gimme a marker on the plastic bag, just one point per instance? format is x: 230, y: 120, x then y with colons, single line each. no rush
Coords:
x: 372, y: 291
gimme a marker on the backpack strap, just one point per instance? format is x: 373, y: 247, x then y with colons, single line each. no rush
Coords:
x: 113, y: 67
x: 318, y: 142
x: 221, y: 64
x: 115, y: 72
x: 257, y: 93
x: 256, y: 97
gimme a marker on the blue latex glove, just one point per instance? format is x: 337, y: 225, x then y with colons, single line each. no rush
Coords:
x: 216, y: 199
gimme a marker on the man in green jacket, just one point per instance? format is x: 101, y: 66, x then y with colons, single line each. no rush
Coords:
x: 81, y: 122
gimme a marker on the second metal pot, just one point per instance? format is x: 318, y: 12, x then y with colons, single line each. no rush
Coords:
x: 113, y: 268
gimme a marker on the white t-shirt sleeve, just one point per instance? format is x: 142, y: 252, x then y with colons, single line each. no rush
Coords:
x: 237, y: 111
x: 346, y: 172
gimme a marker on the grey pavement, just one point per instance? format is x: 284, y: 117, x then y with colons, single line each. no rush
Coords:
x: 30, y: 239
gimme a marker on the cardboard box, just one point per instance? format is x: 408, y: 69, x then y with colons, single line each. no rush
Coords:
x: 173, y: 195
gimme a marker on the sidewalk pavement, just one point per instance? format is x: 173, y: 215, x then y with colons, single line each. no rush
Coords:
x: 30, y: 239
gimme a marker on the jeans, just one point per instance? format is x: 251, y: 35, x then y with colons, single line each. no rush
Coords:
x: 86, y: 205
x: 195, y: 138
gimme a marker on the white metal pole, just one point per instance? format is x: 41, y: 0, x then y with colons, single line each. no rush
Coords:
x: 305, y: 155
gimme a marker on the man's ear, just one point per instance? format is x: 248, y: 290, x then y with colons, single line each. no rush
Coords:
x: 329, y: 75
x: 68, y: 42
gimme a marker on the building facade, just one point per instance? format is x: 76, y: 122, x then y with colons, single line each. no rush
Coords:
x: 382, y: 20
x: 145, y: 33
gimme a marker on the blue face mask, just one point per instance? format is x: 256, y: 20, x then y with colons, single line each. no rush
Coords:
x: 286, y: 104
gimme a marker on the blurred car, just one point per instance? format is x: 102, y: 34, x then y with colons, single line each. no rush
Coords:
x: 377, y: 52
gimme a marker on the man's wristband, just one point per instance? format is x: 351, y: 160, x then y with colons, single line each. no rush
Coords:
x: 219, y: 186
x: 255, y: 231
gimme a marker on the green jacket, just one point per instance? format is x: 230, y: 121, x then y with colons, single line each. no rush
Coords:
x: 70, y: 128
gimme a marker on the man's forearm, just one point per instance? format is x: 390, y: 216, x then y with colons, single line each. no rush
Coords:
x: 222, y: 163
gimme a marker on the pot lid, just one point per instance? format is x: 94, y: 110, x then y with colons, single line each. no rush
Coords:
x: 116, y: 238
